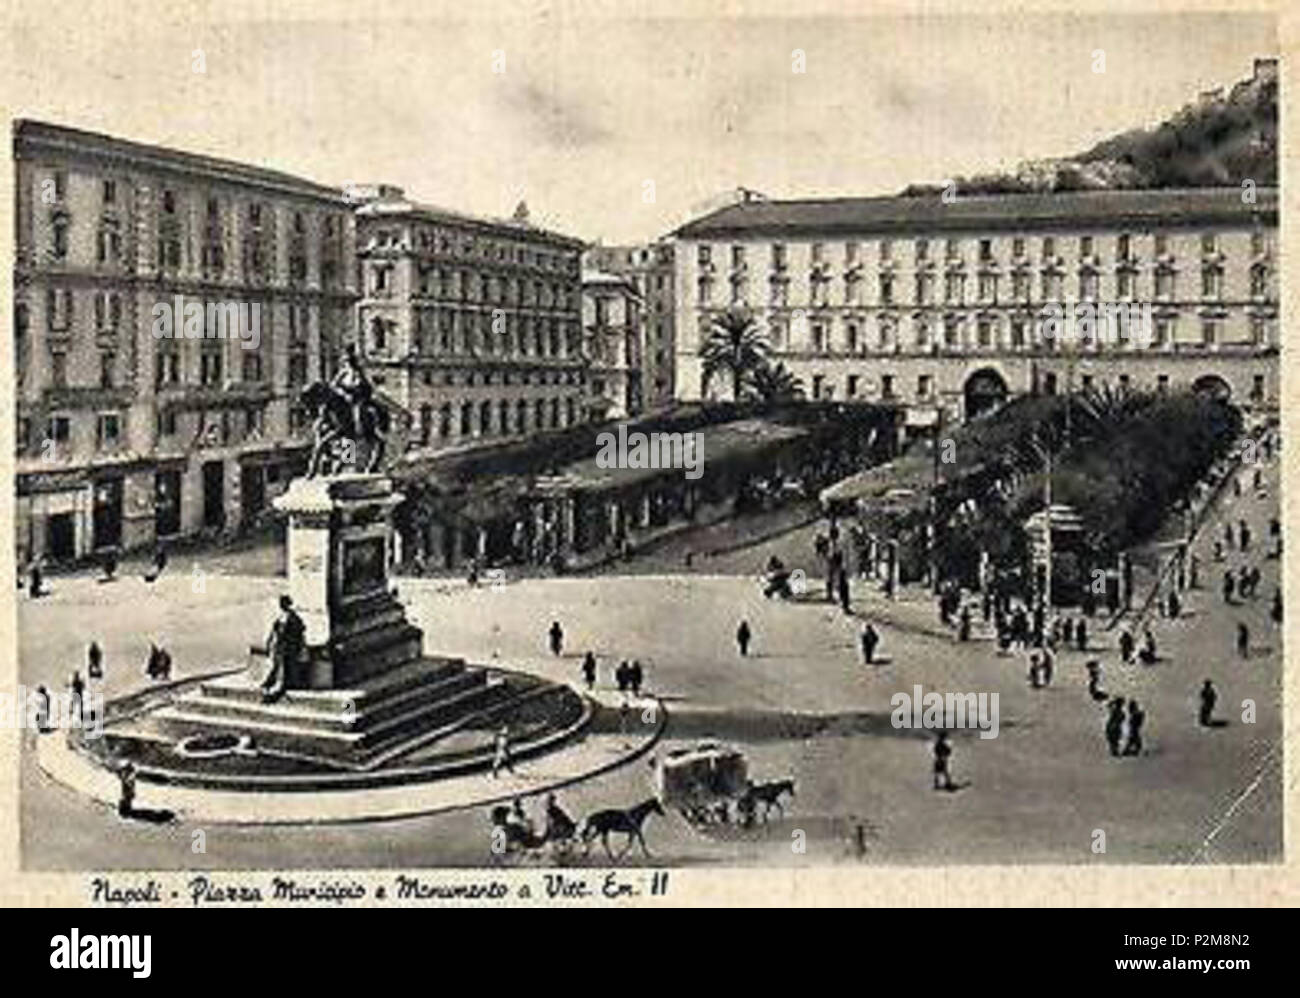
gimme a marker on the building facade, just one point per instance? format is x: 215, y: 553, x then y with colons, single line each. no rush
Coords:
x: 944, y: 306
x: 652, y: 268
x: 168, y: 308
x: 613, y: 338
x: 472, y: 325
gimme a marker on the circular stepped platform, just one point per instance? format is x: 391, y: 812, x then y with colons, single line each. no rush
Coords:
x: 420, y: 731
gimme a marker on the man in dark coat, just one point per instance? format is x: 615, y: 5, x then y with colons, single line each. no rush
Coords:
x: 1136, y: 716
x: 288, y: 636
x: 1208, y: 699
x: 743, y: 635
x: 1115, y: 725
x: 556, y: 636
x: 869, y: 641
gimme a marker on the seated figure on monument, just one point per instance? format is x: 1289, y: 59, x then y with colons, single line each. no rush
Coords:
x: 346, y: 414
x: 284, y: 647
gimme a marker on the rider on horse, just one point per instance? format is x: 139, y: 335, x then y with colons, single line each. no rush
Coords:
x: 351, y: 383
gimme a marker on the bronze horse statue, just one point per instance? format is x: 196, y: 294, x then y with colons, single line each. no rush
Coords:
x: 336, y: 435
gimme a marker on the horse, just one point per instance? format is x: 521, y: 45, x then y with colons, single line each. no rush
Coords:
x: 334, y: 423
x: 629, y: 822
x: 767, y: 794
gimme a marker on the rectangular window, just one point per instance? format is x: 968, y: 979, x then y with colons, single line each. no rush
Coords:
x: 58, y: 429
x: 110, y: 192
x: 107, y: 430
x: 922, y: 249
x: 1257, y: 244
x: 1209, y: 243
x: 986, y: 249
x: 1049, y: 247
x: 1018, y: 247
x: 778, y: 257
x: 59, y: 369
x: 1123, y: 247
x: 887, y: 386
x: 1162, y: 384
x: 107, y: 365
x: 1162, y: 244
x: 923, y: 386
x: 1085, y: 245
x: 851, y: 389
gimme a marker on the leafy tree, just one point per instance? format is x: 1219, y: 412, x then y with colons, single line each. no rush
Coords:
x: 734, y: 345
x: 776, y: 383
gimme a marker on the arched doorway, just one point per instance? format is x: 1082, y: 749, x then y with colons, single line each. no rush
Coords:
x: 1213, y: 386
x: 985, y: 389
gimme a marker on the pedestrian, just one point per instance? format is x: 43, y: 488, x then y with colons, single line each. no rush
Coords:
x: 109, y: 566
x: 1147, y: 655
x: 1243, y: 582
x: 1049, y: 664
x: 1229, y: 585
x: 36, y: 579
x: 1236, y: 486
x: 1115, y: 725
x: 963, y: 625
x: 78, y: 688
x: 1126, y: 645
x: 1081, y: 635
x: 635, y: 677
x: 1227, y: 535
x: 1067, y: 631
x: 556, y: 634
x: 1094, y: 680
x: 42, y: 709
x: 1175, y: 605
x: 844, y: 591
x: 869, y: 641
x: 1243, y: 532
x: 1243, y: 640
x: 743, y: 635
x: 94, y: 661
x: 1218, y: 550
x: 620, y: 676
x: 1208, y: 699
x: 1034, y: 671
x: 1257, y: 480
x: 1194, y: 574
x: 126, y: 794
x: 1276, y: 612
x: 501, y: 751
x: 159, y: 563
x: 942, y: 753
x: 589, y: 669
x: 1136, y: 716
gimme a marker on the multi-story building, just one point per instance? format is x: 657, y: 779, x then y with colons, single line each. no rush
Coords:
x: 944, y: 305
x: 168, y: 308
x: 613, y: 338
x: 651, y: 267
x: 473, y: 325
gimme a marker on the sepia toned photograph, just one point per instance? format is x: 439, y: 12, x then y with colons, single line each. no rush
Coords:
x: 587, y: 439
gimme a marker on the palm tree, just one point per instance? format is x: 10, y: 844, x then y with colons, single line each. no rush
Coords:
x: 775, y: 383
x: 734, y: 345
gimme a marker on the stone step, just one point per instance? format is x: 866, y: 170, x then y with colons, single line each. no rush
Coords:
x: 294, y: 735
x: 426, y: 669
x: 363, y: 712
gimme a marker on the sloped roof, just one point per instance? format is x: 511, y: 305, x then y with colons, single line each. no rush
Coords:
x: 894, y: 214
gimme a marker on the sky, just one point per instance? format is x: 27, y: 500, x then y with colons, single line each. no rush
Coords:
x: 575, y: 114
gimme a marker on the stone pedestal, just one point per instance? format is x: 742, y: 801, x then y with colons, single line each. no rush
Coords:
x: 339, y: 549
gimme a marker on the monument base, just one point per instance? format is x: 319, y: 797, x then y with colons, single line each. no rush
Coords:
x: 362, y: 691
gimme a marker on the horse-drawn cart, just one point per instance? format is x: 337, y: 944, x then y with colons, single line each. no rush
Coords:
x: 702, y: 781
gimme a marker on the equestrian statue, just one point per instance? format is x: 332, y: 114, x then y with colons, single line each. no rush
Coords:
x: 346, y: 416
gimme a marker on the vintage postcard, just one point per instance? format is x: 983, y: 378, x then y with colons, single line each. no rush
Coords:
x: 665, y: 454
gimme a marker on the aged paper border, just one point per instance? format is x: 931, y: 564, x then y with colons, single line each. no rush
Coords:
x: 1110, y: 886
